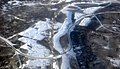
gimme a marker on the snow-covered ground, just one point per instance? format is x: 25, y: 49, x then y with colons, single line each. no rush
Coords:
x: 38, y: 32
x: 30, y: 37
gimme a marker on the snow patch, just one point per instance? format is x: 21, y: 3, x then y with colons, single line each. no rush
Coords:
x: 72, y: 8
x: 85, y: 22
x: 115, y: 62
x: 106, y: 47
x: 25, y: 46
x: 57, y: 25
x: 91, y: 10
x: 36, y: 50
x: 35, y: 32
x: 78, y: 15
x: 55, y: 65
x: 87, y: 11
x: 30, y: 37
x: 54, y: 9
x: 14, y: 2
x: 29, y: 4
x: 65, y: 62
